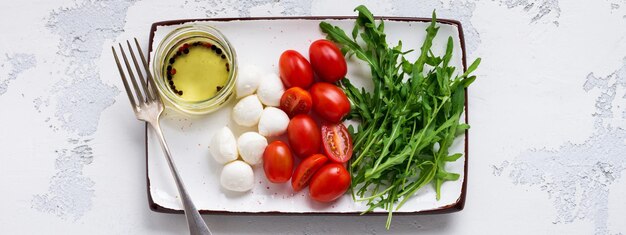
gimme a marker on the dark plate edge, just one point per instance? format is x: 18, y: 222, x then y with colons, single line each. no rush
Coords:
x: 450, y: 208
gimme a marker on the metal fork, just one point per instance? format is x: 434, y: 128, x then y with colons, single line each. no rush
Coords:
x: 148, y: 108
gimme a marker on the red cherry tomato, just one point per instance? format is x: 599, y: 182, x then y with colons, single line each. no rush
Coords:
x: 304, y: 136
x: 306, y: 169
x: 277, y: 162
x: 329, y: 183
x: 337, y: 142
x: 295, y: 70
x: 330, y: 102
x: 327, y: 61
x: 296, y: 101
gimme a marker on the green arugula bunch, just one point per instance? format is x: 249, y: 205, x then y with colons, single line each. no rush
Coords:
x: 409, y: 120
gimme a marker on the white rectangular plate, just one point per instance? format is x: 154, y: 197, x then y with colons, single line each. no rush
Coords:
x: 260, y: 41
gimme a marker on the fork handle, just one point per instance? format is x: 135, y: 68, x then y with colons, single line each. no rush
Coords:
x: 196, y: 224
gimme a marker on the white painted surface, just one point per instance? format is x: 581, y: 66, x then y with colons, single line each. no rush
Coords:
x: 547, y: 115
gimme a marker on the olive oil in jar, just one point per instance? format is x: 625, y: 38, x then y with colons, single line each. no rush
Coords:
x: 197, y: 70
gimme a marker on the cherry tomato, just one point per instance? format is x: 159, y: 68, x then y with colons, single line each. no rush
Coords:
x: 277, y: 162
x: 330, y: 102
x: 296, y: 101
x: 336, y: 142
x: 329, y: 183
x: 327, y: 61
x: 306, y: 169
x: 304, y: 136
x: 295, y: 70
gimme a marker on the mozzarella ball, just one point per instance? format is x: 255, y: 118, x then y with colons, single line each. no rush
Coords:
x: 248, y: 111
x: 247, y: 81
x: 270, y: 90
x: 251, y: 146
x: 273, y: 122
x: 224, y: 146
x: 237, y: 176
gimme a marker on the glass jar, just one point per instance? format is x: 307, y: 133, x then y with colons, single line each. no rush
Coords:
x: 186, y: 35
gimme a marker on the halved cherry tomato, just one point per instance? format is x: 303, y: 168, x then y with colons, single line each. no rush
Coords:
x: 327, y: 61
x: 295, y: 70
x: 306, y: 169
x: 337, y: 142
x: 296, y: 101
x: 277, y: 162
x: 330, y: 102
x: 329, y: 183
x: 304, y: 136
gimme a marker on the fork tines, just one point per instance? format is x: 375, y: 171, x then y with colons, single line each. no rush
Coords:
x: 147, y: 92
